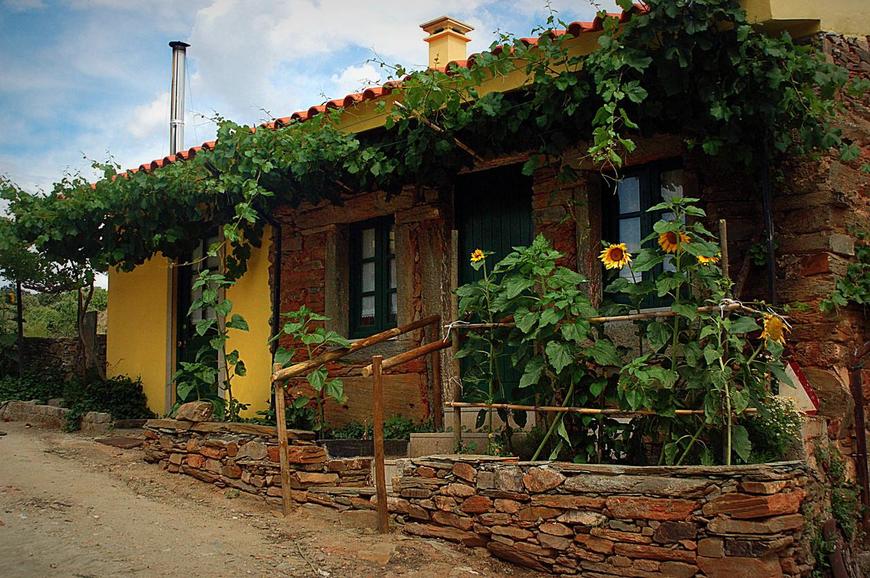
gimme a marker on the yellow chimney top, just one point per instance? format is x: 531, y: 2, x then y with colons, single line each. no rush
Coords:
x: 447, y: 39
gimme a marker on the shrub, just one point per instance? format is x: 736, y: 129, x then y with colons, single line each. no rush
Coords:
x: 121, y: 396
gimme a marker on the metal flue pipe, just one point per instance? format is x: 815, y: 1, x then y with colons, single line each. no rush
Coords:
x: 176, y: 97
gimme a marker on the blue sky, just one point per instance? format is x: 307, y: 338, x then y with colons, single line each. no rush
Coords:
x: 89, y: 79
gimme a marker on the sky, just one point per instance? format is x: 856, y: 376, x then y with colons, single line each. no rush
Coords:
x: 85, y: 80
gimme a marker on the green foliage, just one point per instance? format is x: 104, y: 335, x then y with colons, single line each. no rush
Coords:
x: 120, y: 396
x: 209, y: 376
x: 844, y: 502
x: 396, y: 427
x: 294, y: 417
x: 55, y: 314
x: 696, y: 69
x: 30, y: 386
x: 854, y: 286
x: 310, y: 339
x: 720, y: 363
x: 564, y: 360
x: 775, y: 431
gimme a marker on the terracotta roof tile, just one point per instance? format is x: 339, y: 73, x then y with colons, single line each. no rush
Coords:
x: 375, y: 92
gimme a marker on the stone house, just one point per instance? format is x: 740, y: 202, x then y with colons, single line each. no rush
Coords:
x: 376, y: 261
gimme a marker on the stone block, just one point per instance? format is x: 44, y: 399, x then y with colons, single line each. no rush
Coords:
x: 535, y: 513
x: 776, y: 525
x: 739, y: 567
x: 476, y: 505
x: 511, y: 554
x: 648, y: 485
x: 541, y: 479
x: 465, y: 471
x: 746, y: 506
x: 640, y: 508
x: 654, y: 552
x: 445, y: 533
x: 195, y: 411
x: 711, y: 547
x: 451, y: 519
x: 582, y: 518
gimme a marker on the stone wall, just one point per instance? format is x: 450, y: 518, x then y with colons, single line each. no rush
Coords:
x: 245, y: 457
x: 741, y: 521
x: 59, y: 354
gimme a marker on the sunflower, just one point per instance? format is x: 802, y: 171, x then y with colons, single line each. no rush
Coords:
x: 615, y: 256
x: 670, y: 241
x: 477, y: 255
x: 774, y: 328
x: 707, y: 260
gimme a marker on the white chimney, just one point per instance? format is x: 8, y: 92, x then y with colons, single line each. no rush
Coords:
x: 176, y: 97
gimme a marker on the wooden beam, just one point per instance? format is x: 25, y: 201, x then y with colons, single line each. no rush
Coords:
x: 378, y: 427
x: 407, y: 356
x: 305, y: 366
x: 454, y: 339
x: 281, y: 423
x: 580, y: 410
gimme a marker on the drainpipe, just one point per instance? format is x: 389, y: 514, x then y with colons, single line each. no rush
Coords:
x: 767, y: 209
x: 276, y: 283
x: 856, y: 385
x: 176, y: 97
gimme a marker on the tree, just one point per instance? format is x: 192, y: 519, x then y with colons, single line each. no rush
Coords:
x: 27, y: 268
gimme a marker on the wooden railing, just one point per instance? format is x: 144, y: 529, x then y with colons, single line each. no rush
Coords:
x: 282, y: 374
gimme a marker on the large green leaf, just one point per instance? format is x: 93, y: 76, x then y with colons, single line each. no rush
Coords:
x: 559, y: 355
x: 532, y: 373
x: 744, y: 324
x: 740, y: 443
x: 603, y: 352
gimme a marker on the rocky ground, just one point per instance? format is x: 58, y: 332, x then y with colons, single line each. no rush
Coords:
x: 72, y: 507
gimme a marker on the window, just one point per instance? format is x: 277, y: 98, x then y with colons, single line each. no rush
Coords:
x: 627, y: 220
x: 372, y: 277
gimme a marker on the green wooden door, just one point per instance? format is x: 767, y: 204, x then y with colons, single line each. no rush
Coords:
x: 493, y: 213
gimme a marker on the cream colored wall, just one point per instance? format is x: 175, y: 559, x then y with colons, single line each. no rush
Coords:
x: 137, y: 331
x: 252, y: 299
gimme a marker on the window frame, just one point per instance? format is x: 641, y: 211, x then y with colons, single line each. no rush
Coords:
x: 383, y: 292
x: 649, y: 177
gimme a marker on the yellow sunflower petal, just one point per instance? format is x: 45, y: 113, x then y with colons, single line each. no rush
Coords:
x: 615, y: 256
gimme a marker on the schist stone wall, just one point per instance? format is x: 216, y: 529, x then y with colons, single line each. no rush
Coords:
x: 742, y: 521
x: 245, y: 457
x: 593, y: 520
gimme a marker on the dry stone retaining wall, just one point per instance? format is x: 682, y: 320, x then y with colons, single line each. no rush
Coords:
x: 591, y: 520
x: 601, y: 521
x: 245, y: 457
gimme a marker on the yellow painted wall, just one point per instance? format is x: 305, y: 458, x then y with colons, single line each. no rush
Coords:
x: 849, y: 17
x: 137, y: 332
x: 138, y: 336
x: 252, y: 299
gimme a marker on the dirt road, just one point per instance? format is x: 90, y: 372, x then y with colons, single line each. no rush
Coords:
x: 71, y: 507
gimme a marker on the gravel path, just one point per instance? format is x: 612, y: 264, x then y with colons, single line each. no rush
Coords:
x: 72, y: 507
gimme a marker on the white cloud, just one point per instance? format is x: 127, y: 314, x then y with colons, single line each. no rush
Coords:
x: 353, y: 78
x: 147, y: 117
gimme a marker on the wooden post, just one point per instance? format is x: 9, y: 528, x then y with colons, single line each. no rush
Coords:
x: 457, y: 393
x: 437, y: 392
x: 454, y: 314
x: 281, y: 423
x: 378, y: 426
x: 723, y: 244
